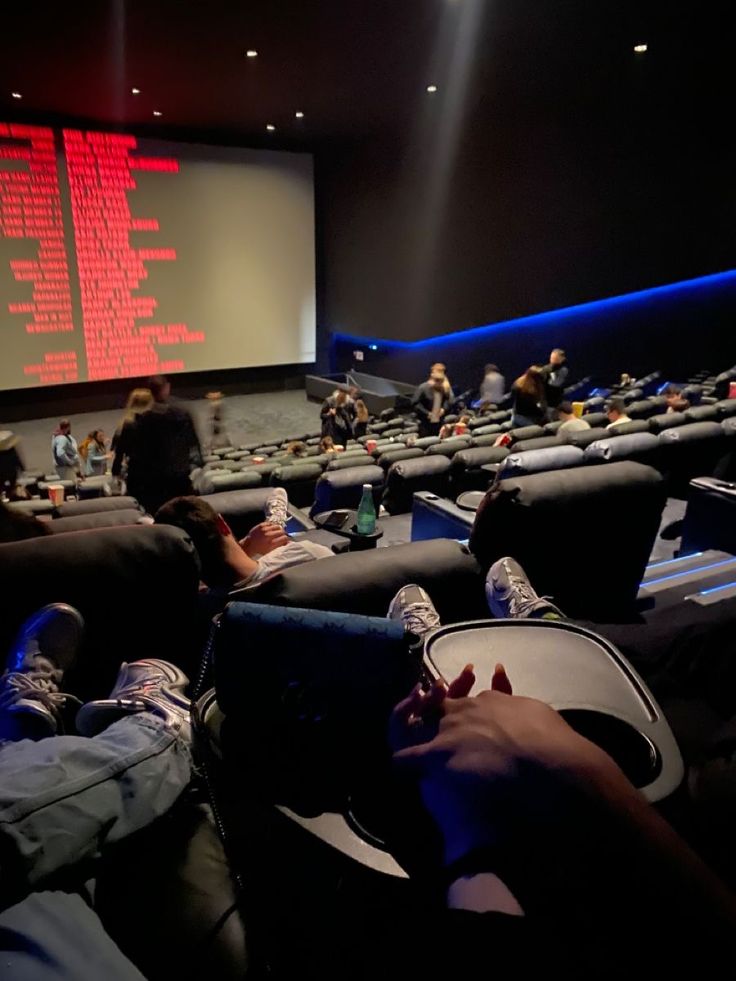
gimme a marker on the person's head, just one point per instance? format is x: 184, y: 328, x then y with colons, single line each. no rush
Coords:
x: 65, y: 427
x: 214, y: 396
x: 615, y: 409
x: 361, y: 410
x: 160, y: 387
x: 565, y: 412
x: 220, y: 555
x: 139, y: 400
x: 530, y: 383
x: 438, y: 367
x: 341, y: 397
x: 557, y: 356
x: 354, y: 392
x: 672, y: 394
x: 297, y: 448
x: 491, y: 369
x: 98, y: 435
x: 326, y: 444
x: 437, y: 380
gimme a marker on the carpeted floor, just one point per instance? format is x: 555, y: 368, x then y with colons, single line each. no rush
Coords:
x: 250, y: 418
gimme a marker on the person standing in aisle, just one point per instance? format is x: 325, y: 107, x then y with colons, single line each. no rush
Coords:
x: 65, y: 452
x: 162, y: 448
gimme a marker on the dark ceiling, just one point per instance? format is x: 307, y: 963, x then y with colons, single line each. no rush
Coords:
x: 355, y: 68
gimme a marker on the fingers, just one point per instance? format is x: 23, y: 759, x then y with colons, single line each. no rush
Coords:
x: 462, y: 685
x: 500, y: 681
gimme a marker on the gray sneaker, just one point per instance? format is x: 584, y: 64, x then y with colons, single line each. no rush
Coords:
x: 143, y: 686
x: 510, y: 595
x: 276, y: 508
x: 413, y: 607
x: 46, y: 647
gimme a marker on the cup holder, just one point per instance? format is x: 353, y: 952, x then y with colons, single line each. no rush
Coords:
x: 634, y: 752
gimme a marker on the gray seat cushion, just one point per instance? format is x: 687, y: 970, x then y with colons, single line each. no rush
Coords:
x: 536, y: 461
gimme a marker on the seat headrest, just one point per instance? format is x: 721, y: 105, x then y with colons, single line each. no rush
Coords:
x: 449, y: 447
x: 235, y: 481
x: 596, y: 419
x: 536, y: 461
x: 479, y: 457
x: 487, y: 439
x: 692, y: 432
x: 526, y: 432
x: 390, y: 457
x: 629, y: 428
x: 585, y: 437
x: 343, y: 462
x: 426, y: 466
x: 702, y: 413
x: 666, y: 420
x: 620, y: 447
x: 539, y: 443
x: 295, y: 472
x: 726, y: 408
x: 71, y: 508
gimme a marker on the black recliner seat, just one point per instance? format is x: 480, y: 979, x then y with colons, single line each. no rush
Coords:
x: 583, y: 535
x: 71, y: 509
x: 343, y: 488
x: 585, y: 437
x: 640, y: 447
x: 630, y: 428
x: 596, y: 419
x: 430, y: 473
x: 449, y: 447
x: 343, y: 462
x: 526, y: 432
x: 535, y: 461
x: 465, y: 468
x: 643, y: 409
x: 702, y: 413
x: 136, y: 587
x: 299, y: 481
x: 238, y: 480
x: 390, y: 457
x: 366, y: 582
x: 693, y: 451
x: 726, y: 408
x: 487, y: 439
x: 538, y: 443
x: 97, y: 519
x: 666, y: 420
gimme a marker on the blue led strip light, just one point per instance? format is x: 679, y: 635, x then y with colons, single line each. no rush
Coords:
x: 681, y: 558
x: 716, y: 589
x: 548, y: 316
x: 689, y: 572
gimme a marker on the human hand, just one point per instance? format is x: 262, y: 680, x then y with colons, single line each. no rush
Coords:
x: 264, y: 538
x: 332, y: 412
x: 490, y: 765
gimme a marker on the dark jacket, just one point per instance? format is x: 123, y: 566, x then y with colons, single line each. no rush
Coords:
x: 340, y: 425
x: 159, y: 444
x: 423, y: 401
x: 526, y: 406
x: 555, y: 378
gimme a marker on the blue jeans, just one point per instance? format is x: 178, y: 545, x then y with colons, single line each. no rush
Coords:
x: 61, y: 801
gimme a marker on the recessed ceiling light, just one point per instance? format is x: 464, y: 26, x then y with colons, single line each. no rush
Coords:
x: 270, y: 127
x: 640, y: 48
x: 135, y: 91
x: 431, y: 88
x: 16, y: 95
x: 251, y: 53
x: 299, y: 115
x: 157, y: 112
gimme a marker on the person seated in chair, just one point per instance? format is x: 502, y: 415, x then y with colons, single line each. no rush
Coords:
x: 227, y: 562
x: 616, y: 412
x: 570, y: 422
x: 675, y: 401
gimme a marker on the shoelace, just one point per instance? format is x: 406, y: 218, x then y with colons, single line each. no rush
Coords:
x: 277, y: 512
x: 419, y: 618
x: 522, y: 595
x: 38, y: 687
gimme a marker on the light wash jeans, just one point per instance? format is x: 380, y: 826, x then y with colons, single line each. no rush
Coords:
x: 61, y: 801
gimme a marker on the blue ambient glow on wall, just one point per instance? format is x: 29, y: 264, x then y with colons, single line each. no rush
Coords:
x: 582, y: 311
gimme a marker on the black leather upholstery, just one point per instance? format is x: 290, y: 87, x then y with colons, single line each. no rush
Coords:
x: 70, y: 509
x: 726, y: 408
x: 487, y: 439
x: 642, y: 447
x: 630, y: 428
x: 465, y: 467
x: 538, y: 443
x: 642, y: 409
x: 527, y: 432
x: 430, y: 473
x: 343, y: 488
x: 583, y: 535
x: 702, y: 413
x: 242, y: 509
x: 692, y: 451
x: 534, y: 461
x: 393, y: 456
x: 240, y: 480
x: 585, y: 437
x: 299, y: 481
x: 342, y: 462
x: 98, y: 519
x: 596, y: 420
x: 449, y: 447
x: 136, y: 587
x: 666, y: 420
x: 365, y: 582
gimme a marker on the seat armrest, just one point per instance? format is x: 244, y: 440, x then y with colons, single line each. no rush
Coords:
x: 436, y: 517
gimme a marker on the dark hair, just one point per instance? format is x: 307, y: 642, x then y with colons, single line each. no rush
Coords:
x: 616, y: 405
x: 200, y: 521
x: 297, y: 448
x: 490, y: 367
x: 156, y: 384
x: 566, y: 408
x: 530, y: 383
x: 559, y: 350
x: 672, y: 390
x: 17, y: 526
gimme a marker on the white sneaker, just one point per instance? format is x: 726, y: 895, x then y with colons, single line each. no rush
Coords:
x: 413, y: 607
x: 276, y: 508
